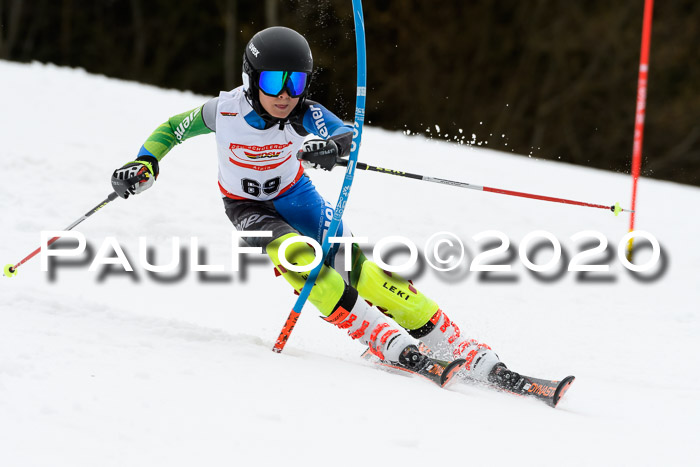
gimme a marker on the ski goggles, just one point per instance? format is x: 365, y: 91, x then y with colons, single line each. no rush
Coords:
x: 273, y: 83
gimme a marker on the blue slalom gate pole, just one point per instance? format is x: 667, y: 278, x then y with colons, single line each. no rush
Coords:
x: 349, y: 175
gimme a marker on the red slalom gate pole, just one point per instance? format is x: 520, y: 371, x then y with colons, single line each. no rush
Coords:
x: 640, y: 113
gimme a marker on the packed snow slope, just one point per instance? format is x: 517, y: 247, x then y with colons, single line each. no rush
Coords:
x: 112, y: 368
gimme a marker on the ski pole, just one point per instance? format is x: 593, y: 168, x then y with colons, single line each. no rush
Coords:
x: 362, y: 166
x: 11, y: 270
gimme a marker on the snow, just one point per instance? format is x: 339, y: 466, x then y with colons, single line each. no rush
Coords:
x: 118, y: 369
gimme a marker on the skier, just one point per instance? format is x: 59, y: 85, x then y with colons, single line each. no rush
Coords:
x: 260, y: 128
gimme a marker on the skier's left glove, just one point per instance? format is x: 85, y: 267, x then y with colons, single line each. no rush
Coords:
x: 135, y: 177
x: 319, y: 154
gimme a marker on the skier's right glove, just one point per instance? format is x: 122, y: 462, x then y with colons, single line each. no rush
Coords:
x: 135, y: 177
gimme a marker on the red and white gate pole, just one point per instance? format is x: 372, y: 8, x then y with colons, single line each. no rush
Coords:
x: 639, y: 117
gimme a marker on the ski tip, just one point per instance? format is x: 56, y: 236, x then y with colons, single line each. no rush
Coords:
x: 451, y: 370
x: 561, y: 389
x: 10, y: 270
x: 366, y: 355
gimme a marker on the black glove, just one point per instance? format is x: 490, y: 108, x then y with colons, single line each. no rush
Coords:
x: 135, y: 177
x: 319, y: 154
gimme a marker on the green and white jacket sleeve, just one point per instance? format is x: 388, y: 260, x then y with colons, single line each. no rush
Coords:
x: 179, y: 128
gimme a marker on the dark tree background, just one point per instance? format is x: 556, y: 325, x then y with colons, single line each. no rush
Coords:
x: 558, y: 78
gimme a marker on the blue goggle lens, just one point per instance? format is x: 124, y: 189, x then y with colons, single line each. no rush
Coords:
x: 273, y: 83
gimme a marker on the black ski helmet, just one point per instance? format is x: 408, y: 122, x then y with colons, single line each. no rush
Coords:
x: 274, y: 49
